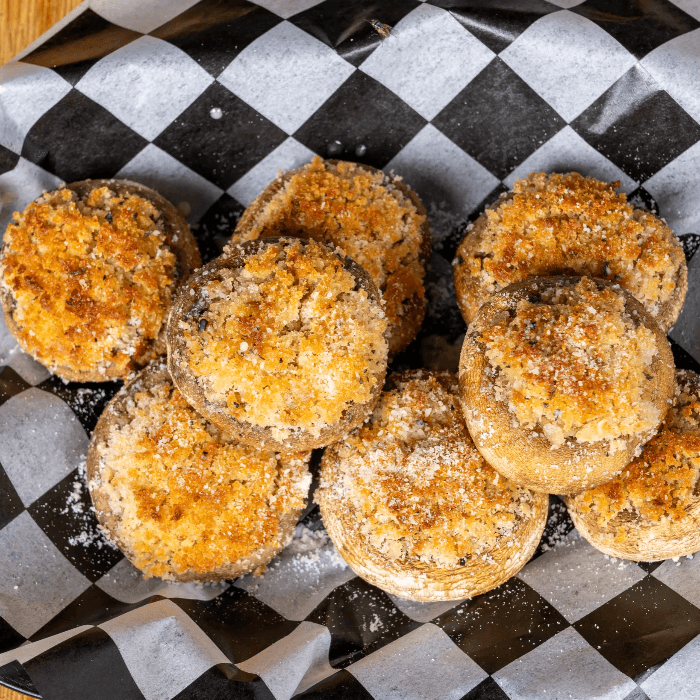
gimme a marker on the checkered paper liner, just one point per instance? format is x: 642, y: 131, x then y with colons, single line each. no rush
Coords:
x: 205, y: 102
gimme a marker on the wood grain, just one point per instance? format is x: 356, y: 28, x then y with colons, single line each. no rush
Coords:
x: 22, y: 21
x: 6, y: 694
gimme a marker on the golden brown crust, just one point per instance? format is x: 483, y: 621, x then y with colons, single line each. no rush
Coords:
x: 572, y: 361
x: 643, y: 541
x: 414, y: 509
x: 282, y: 418
x: 178, y: 241
x: 527, y: 456
x: 651, y: 511
x: 567, y: 224
x: 195, y: 508
x: 367, y: 233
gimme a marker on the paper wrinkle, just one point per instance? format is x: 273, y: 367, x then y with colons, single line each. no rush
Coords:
x: 289, y: 155
x: 686, y: 330
x: 295, y: 662
x: 442, y: 173
x: 692, y: 7
x: 502, y: 35
x: 423, y: 612
x: 682, y: 576
x: 422, y: 665
x: 287, y: 8
x: 286, y: 75
x: 9, y: 347
x: 567, y: 667
x: 294, y: 585
x: 577, y: 579
x: 623, y: 97
x: 28, y: 651
x: 169, y: 177
x: 676, y: 188
x: 26, y: 93
x: 138, y: 15
x: 27, y: 367
x: 27, y: 181
x: 566, y: 4
x: 428, y: 59
x: 163, y: 648
x: 568, y: 60
x: 675, y: 65
x: 672, y: 680
x: 128, y: 585
x: 42, y: 442
x: 567, y: 152
x: 45, y: 581
x: 146, y: 84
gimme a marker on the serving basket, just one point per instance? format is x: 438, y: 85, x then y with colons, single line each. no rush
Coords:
x: 205, y: 102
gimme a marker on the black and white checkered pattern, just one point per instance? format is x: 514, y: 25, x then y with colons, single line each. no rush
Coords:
x: 205, y: 101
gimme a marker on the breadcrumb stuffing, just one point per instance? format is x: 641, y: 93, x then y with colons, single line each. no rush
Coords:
x: 361, y: 212
x: 90, y: 279
x: 660, y: 484
x: 412, y: 483
x: 574, y: 362
x: 568, y: 224
x: 287, y: 341
x: 188, y: 496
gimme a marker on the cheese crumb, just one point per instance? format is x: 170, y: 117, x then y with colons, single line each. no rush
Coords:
x: 290, y: 340
x: 187, y: 495
x: 575, y: 363
x: 412, y: 484
x: 91, y: 279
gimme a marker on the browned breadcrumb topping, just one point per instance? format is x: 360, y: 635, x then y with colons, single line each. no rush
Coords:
x: 91, y: 279
x: 659, y: 485
x: 414, y: 484
x: 574, y: 362
x: 570, y: 224
x: 188, y: 496
x: 361, y: 212
x: 287, y: 341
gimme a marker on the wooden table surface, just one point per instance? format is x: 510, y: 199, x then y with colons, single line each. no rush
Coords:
x: 22, y: 21
x: 6, y: 694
